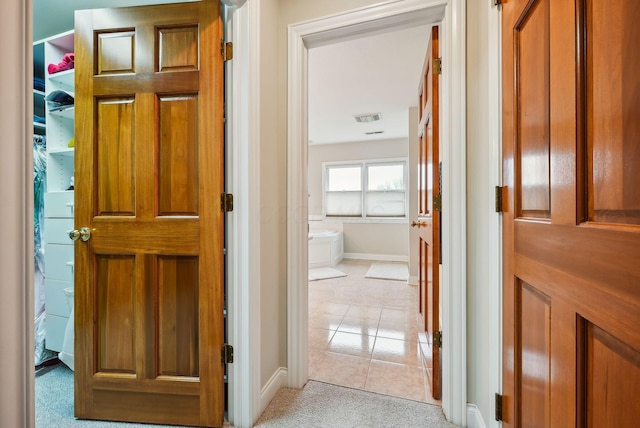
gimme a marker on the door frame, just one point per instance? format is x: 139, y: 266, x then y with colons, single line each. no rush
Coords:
x: 345, y: 26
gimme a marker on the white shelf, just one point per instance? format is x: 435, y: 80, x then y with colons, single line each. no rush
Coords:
x: 67, y: 113
x: 68, y: 151
x: 65, y: 78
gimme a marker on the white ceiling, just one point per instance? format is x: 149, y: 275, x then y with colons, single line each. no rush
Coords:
x: 374, y: 74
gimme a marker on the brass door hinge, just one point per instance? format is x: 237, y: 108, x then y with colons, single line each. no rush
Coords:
x: 498, y: 199
x: 437, y: 66
x: 226, y: 50
x: 498, y: 407
x: 227, y: 354
x: 437, y: 202
x: 226, y: 202
x: 437, y: 339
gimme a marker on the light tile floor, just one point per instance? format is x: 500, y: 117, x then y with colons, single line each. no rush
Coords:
x: 363, y: 333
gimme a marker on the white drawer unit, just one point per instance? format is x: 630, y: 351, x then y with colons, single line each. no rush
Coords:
x: 56, y: 230
x: 54, y: 335
x: 57, y: 303
x: 58, y: 262
x: 58, y: 204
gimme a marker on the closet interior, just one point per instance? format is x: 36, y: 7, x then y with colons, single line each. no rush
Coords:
x: 53, y: 142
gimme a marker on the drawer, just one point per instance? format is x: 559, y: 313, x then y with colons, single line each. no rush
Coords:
x: 58, y: 204
x: 58, y: 262
x: 55, y: 299
x: 55, y: 327
x: 56, y: 230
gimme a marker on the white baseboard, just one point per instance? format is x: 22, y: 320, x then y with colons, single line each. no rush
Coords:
x: 413, y: 280
x: 273, y: 385
x: 474, y: 418
x: 379, y: 257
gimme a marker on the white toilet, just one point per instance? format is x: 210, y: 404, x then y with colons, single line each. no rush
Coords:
x: 66, y: 355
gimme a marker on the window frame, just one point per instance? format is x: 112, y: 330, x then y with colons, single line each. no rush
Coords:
x: 363, y: 164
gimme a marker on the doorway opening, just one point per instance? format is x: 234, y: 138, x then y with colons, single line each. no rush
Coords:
x: 362, y: 154
x: 350, y: 25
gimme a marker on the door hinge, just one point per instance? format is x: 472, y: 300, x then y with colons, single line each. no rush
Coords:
x: 498, y: 407
x: 226, y: 50
x: 227, y: 354
x: 226, y: 202
x: 437, y: 66
x: 437, y: 339
x: 498, y: 199
x: 437, y: 202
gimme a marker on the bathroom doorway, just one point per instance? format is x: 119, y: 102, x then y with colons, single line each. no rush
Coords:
x: 363, y: 295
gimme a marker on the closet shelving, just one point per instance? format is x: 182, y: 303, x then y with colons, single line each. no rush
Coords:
x: 38, y: 95
x: 58, y: 200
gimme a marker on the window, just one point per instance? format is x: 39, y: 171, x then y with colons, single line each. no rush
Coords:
x: 365, y: 189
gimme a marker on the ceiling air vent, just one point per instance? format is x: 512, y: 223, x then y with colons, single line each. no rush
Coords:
x: 369, y: 117
x: 374, y: 132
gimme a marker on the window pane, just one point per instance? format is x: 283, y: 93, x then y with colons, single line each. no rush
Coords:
x: 344, y: 178
x: 385, y: 204
x: 385, y: 177
x: 344, y: 204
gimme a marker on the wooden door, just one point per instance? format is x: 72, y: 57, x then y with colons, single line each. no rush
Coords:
x: 571, y: 156
x: 428, y: 222
x: 149, y: 283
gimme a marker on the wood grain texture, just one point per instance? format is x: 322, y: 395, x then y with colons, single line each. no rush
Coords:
x: 571, y: 331
x: 152, y: 275
x: 428, y: 186
x: 612, y: 111
x: 532, y: 86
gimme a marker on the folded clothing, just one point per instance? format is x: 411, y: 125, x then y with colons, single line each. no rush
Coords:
x: 67, y: 63
x: 38, y: 83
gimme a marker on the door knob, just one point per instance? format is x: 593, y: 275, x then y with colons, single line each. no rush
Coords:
x: 84, y: 233
x: 418, y: 223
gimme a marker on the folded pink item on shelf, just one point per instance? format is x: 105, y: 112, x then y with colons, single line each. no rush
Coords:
x: 67, y: 63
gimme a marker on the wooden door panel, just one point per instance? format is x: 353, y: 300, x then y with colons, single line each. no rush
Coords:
x: 535, y: 352
x: 428, y: 217
x: 178, y: 139
x: 571, y: 297
x: 612, y: 380
x: 532, y: 86
x: 178, y: 349
x: 115, y: 290
x: 613, y: 128
x: 150, y: 281
x: 116, y: 156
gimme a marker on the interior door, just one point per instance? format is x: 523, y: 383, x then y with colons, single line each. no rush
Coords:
x: 571, y: 156
x: 428, y: 222
x: 149, y: 281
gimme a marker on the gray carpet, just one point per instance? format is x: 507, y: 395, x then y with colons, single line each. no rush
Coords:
x: 318, y: 405
x: 321, y: 405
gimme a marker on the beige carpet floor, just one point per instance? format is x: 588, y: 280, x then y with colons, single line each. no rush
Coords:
x: 317, y: 405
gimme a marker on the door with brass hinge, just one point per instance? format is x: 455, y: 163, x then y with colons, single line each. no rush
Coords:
x: 149, y: 281
x: 430, y: 206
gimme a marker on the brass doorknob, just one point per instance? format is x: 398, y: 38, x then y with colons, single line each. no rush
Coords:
x: 84, y: 233
x: 418, y: 223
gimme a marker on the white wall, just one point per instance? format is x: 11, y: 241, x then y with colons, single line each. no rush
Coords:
x: 483, y: 223
x: 273, y: 304
x: 375, y: 239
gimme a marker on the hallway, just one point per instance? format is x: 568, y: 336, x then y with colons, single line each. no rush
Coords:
x: 363, y: 334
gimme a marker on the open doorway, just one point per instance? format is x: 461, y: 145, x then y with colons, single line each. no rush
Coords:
x: 363, y: 307
x: 350, y: 25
